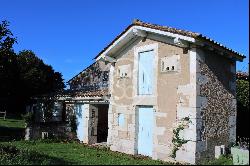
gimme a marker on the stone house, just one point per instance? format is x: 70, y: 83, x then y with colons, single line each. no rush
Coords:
x: 170, y: 95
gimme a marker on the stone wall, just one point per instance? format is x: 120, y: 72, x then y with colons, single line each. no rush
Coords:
x: 60, y: 130
x: 94, y: 77
x: 216, y: 82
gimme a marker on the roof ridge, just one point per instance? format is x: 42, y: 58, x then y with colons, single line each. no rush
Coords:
x: 139, y: 22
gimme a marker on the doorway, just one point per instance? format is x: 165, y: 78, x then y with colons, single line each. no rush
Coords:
x: 145, y: 130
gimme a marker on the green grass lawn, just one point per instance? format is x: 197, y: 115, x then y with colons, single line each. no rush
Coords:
x: 11, y: 129
x: 12, y: 123
x: 39, y: 152
x: 46, y: 152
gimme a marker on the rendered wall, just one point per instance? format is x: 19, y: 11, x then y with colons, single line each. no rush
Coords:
x: 165, y: 100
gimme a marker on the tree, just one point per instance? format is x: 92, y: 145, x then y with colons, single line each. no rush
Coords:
x: 8, y: 64
x: 23, y: 75
x: 35, y: 76
x: 243, y: 93
x: 242, y: 84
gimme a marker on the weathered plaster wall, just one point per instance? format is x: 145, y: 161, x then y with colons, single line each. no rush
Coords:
x: 164, y: 101
x: 167, y: 100
x: 217, y: 86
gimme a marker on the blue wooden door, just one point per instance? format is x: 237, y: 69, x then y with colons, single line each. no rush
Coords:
x: 145, y: 74
x: 80, y: 120
x: 145, y: 133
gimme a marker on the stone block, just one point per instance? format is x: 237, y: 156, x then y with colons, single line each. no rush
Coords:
x: 160, y: 114
x: 202, y: 102
x: 232, y: 121
x: 186, y: 89
x: 219, y: 150
x: 201, y: 146
x: 183, y: 112
x: 187, y: 153
x: 188, y: 134
x: 159, y: 130
x: 232, y: 134
x: 202, y: 79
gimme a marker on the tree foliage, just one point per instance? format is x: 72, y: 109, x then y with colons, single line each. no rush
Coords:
x: 243, y: 94
x: 37, y: 77
x: 23, y: 75
x: 8, y: 64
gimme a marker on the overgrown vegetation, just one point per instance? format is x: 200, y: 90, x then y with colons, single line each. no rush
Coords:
x: 243, y: 94
x: 223, y: 160
x: 22, y: 74
x: 242, y: 107
x: 28, y: 118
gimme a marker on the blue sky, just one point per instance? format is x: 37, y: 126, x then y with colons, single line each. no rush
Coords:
x: 68, y: 34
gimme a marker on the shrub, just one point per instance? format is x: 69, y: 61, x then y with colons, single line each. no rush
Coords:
x: 10, y: 155
x: 243, y: 94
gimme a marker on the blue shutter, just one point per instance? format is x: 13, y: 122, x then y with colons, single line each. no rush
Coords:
x: 80, y: 120
x: 145, y: 134
x: 145, y: 75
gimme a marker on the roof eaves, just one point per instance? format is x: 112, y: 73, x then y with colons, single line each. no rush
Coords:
x: 207, y: 39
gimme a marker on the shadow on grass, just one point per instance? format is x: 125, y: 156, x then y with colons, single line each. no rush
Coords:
x: 10, y: 155
x: 11, y: 133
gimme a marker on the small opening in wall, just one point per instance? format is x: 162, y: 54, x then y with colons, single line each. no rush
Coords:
x: 172, y: 67
x: 92, y: 131
x: 167, y: 68
x: 185, y: 50
x: 121, y: 119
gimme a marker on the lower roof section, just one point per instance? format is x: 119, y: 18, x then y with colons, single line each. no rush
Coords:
x: 99, y: 96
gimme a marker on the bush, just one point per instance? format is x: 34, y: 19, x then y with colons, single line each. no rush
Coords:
x: 28, y: 118
x: 223, y: 160
x: 242, y: 108
x: 243, y: 94
x: 10, y: 155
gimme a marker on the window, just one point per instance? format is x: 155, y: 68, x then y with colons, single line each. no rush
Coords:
x: 123, y: 71
x: 121, y: 120
x: 170, y: 63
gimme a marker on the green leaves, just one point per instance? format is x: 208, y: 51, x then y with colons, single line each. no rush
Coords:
x: 6, y: 37
x: 23, y: 75
x: 243, y: 93
x: 177, y: 140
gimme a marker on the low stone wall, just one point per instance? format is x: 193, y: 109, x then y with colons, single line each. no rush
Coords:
x: 60, y: 130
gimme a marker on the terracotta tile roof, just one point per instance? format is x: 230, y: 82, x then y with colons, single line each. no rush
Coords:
x: 242, y: 76
x: 166, y: 28
x: 173, y: 30
x: 74, y: 93
x: 98, y: 93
